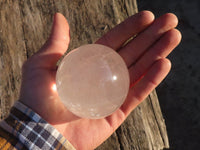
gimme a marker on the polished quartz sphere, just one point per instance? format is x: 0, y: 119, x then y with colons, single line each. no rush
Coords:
x: 92, y: 81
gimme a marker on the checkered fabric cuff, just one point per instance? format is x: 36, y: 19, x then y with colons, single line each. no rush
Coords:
x: 32, y: 131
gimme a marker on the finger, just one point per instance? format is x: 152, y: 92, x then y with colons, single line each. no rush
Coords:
x: 143, y: 88
x: 134, y: 49
x: 160, y: 49
x: 122, y: 32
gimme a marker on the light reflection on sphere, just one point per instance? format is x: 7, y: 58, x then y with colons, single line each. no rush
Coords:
x: 92, y: 81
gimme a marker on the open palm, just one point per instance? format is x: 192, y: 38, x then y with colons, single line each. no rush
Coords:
x: 145, y: 56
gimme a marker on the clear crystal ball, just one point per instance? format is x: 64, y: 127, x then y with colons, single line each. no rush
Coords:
x: 92, y: 81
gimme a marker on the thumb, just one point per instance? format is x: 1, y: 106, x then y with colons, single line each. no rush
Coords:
x: 56, y: 45
x: 60, y: 36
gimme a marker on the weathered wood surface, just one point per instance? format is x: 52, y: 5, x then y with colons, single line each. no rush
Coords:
x: 24, y: 27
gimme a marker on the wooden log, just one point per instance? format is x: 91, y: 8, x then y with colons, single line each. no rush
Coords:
x: 24, y: 27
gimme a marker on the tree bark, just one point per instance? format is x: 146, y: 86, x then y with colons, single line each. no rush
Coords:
x: 24, y: 27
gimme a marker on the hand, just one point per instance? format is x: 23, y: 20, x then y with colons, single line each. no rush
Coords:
x: 145, y: 56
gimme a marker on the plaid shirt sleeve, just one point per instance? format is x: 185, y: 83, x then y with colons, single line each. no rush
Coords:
x: 24, y: 129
